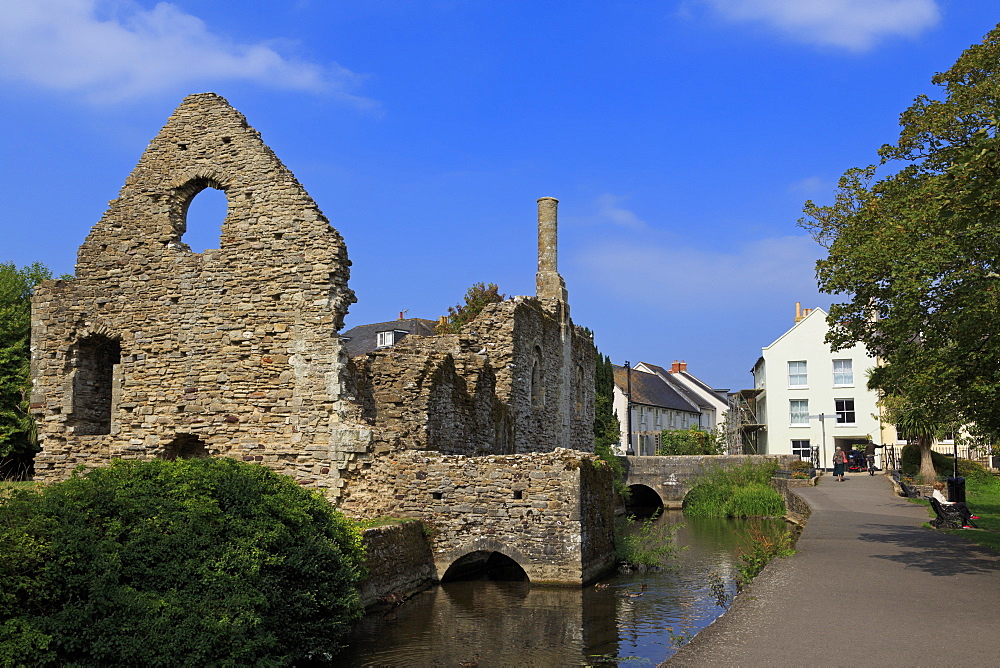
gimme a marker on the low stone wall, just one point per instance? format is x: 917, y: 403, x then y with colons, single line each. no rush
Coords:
x: 550, y: 512
x: 399, y: 562
x: 796, y: 509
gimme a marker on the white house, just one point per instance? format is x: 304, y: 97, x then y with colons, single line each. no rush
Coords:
x: 810, y: 398
x: 712, y: 403
x: 659, y: 401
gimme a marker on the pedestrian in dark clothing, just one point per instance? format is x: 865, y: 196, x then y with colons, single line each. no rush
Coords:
x: 870, y: 455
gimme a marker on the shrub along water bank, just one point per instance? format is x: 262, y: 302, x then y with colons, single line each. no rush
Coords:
x: 738, y: 491
x: 193, y: 562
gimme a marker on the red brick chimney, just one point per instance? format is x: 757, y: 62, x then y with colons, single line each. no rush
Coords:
x: 675, y: 367
x: 683, y: 366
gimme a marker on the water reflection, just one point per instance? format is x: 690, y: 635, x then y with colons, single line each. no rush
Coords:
x: 633, y: 619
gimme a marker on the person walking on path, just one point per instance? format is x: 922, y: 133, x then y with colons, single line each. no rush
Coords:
x: 839, y: 463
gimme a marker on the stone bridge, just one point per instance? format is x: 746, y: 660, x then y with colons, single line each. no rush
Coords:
x: 671, y: 478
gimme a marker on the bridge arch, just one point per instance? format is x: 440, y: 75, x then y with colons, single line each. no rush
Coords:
x: 493, y: 558
x: 643, y: 501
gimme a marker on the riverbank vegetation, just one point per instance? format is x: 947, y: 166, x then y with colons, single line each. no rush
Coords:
x: 644, y: 543
x: 761, y: 544
x: 738, y: 491
x: 193, y: 562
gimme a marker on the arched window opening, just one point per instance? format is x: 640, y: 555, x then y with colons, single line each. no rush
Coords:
x: 95, y: 379
x: 203, y: 216
x: 484, y: 565
x: 643, y: 501
x: 537, y: 388
x: 184, y: 446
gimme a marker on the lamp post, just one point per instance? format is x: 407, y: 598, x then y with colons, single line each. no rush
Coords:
x: 822, y: 423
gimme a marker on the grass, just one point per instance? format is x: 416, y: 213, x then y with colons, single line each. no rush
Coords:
x: 983, y: 497
x: 739, y: 491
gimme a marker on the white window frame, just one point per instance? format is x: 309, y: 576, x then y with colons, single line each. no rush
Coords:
x: 845, y: 412
x: 797, y: 448
x: 385, y: 339
x: 846, y: 373
x: 800, y: 378
x: 802, y: 413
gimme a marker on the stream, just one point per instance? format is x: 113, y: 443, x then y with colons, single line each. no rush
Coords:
x: 629, y: 619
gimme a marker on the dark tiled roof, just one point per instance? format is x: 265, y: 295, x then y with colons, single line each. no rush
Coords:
x: 361, y: 340
x: 721, y: 395
x: 651, y: 390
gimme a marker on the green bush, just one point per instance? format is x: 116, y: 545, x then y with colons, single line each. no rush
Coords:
x: 800, y: 465
x: 738, y: 491
x: 193, y: 562
x: 692, y: 441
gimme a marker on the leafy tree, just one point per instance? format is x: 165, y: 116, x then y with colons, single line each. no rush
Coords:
x: 692, y: 441
x: 191, y: 562
x: 916, y: 251
x: 607, y: 429
x: 478, y: 297
x: 917, y: 421
x: 16, y: 285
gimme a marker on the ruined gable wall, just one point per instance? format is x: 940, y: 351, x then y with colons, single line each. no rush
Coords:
x: 235, y: 346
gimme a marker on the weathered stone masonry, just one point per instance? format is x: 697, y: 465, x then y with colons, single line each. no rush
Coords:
x: 156, y: 351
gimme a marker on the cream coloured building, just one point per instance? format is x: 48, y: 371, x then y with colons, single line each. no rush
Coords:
x: 811, y: 399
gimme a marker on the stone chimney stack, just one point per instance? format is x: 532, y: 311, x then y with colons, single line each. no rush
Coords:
x: 548, y: 283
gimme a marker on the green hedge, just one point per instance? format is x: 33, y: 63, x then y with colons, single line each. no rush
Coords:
x: 193, y: 562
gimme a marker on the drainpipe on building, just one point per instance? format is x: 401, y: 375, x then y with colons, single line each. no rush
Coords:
x: 629, y: 450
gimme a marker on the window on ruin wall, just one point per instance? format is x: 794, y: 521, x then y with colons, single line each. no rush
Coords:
x: 95, y: 377
x: 537, y: 388
x: 184, y: 446
x: 203, y: 213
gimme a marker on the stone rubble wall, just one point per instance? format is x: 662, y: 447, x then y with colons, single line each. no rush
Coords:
x: 236, y: 347
x: 550, y: 512
x: 155, y: 351
x: 399, y: 562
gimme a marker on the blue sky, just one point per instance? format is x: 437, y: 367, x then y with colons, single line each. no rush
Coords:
x: 681, y: 137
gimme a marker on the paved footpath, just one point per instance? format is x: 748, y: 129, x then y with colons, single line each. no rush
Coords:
x: 868, y: 587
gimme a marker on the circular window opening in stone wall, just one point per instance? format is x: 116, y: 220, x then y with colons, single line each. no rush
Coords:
x: 203, y: 220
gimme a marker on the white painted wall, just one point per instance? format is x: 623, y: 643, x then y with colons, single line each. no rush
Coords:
x: 804, y: 342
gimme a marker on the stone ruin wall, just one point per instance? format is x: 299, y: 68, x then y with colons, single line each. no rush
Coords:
x: 155, y: 351
x: 548, y: 511
x: 229, y: 352
x: 478, y: 393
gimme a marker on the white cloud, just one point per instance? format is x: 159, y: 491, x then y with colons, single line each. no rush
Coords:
x: 609, y: 209
x: 812, y: 185
x: 852, y: 24
x: 660, y: 277
x: 130, y: 51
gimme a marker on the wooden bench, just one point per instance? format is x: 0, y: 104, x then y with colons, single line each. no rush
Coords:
x: 947, y: 517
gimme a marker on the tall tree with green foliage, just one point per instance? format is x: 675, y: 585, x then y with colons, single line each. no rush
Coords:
x: 607, y: 429
x: 478, y: 297
x: 914, y: 245
x: 16, y: 286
